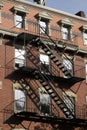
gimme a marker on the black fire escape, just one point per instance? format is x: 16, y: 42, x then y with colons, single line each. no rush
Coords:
x: 49, y: 81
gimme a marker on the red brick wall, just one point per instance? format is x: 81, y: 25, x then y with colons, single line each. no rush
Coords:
x: 7, y: 54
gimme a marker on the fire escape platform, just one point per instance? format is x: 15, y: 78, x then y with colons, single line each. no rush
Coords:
x: 30, y: 116
x: 31, y: 72
x: 26, y: 37
x: 68, y: 81
x: 60, y: 44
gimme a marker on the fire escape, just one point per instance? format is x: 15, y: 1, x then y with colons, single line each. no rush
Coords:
x: 47, y: 80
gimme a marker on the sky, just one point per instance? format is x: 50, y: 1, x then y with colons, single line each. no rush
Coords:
x: 69, y: 6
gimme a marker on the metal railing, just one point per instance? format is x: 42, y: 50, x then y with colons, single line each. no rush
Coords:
x: 54, y: 32
x: 9, y: 110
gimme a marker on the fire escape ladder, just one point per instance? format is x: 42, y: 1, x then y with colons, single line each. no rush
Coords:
x: 30, y: 92
x: 45, y: 81
x: 55, y: 57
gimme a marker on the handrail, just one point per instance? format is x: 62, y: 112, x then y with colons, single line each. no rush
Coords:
x: 81, y: 111
x: 50, y: 36
x: 50, y: 84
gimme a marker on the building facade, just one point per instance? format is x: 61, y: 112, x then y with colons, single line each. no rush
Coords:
x: 43, y: 67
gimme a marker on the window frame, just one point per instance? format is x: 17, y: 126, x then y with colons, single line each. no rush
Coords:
x: 20, y: 59
x: 22, y: 11
x: 22, y: 99
x: 86, y: 71
x: 68, y: 64
x: 20, y: 23
x: 66, y: 35
x: 85, y: 38
x: 45, y: 62
x: 71, y: 100
x: 45, y: 103
x: 46, y: 17
x: 1, y: 5
x: 44, y: 29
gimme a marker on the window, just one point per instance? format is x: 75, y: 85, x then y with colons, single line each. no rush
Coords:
x: 85, y: 37
x: 68, y: 64
x: 20, y: 15
x: 86, y: 99
x: 0, y: 84
x: 19, y: 21
x: 45, y: 104
x: 44, y: 27
x: 1, y: 5
x: 19, y: 57
x: 66, y: 33
x: 70, y: 102
x: 44, y: 63
x: 44, y: 19
x: 20, y: 100
x: 86, y: 72
x: 66, y: 26
x: 1, y: 128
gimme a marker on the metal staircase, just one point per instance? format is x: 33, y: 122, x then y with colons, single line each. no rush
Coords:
x: 31, y: 92
x: 54, y: 95
x: 50, y: 87
x: 55, y: 57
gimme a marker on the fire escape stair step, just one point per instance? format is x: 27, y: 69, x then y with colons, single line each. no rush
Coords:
x: 53, y: 57
x: 46, y: 85
x: 56, y: 60
x: 57, y: 99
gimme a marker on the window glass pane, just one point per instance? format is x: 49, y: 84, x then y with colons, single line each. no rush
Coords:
x: 19, y: 21
x: 45, y: 63
x: 86, y: 68
x: 20, y: 57
x: 85, y: 38
x: 43, y: 27
x: 86, y: 71
x: 66, y: 33
x: 20, y: 100
x: 70, y: 102
x: 67, y: 63
x: 45, y: 102
x: 44, y: 58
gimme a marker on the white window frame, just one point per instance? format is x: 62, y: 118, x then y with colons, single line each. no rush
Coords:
x: 20, y: 57
x: 44, y: 60
x: 69, y: 100
x: 66, y: 32
x: 45, y: 104
x: 1, y: 5
x: 67, y: 63
x: 19, y: 21
x: 86, y: 71
x: 0, y: 84
x: 44, y: 26
x: 85, y: 37
x: 86, y: 99
x: 19, y: 100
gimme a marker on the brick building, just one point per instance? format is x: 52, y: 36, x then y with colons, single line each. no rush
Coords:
x: 43, y: 67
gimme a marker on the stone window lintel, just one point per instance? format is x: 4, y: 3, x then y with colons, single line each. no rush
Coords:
x: 20, y: 9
